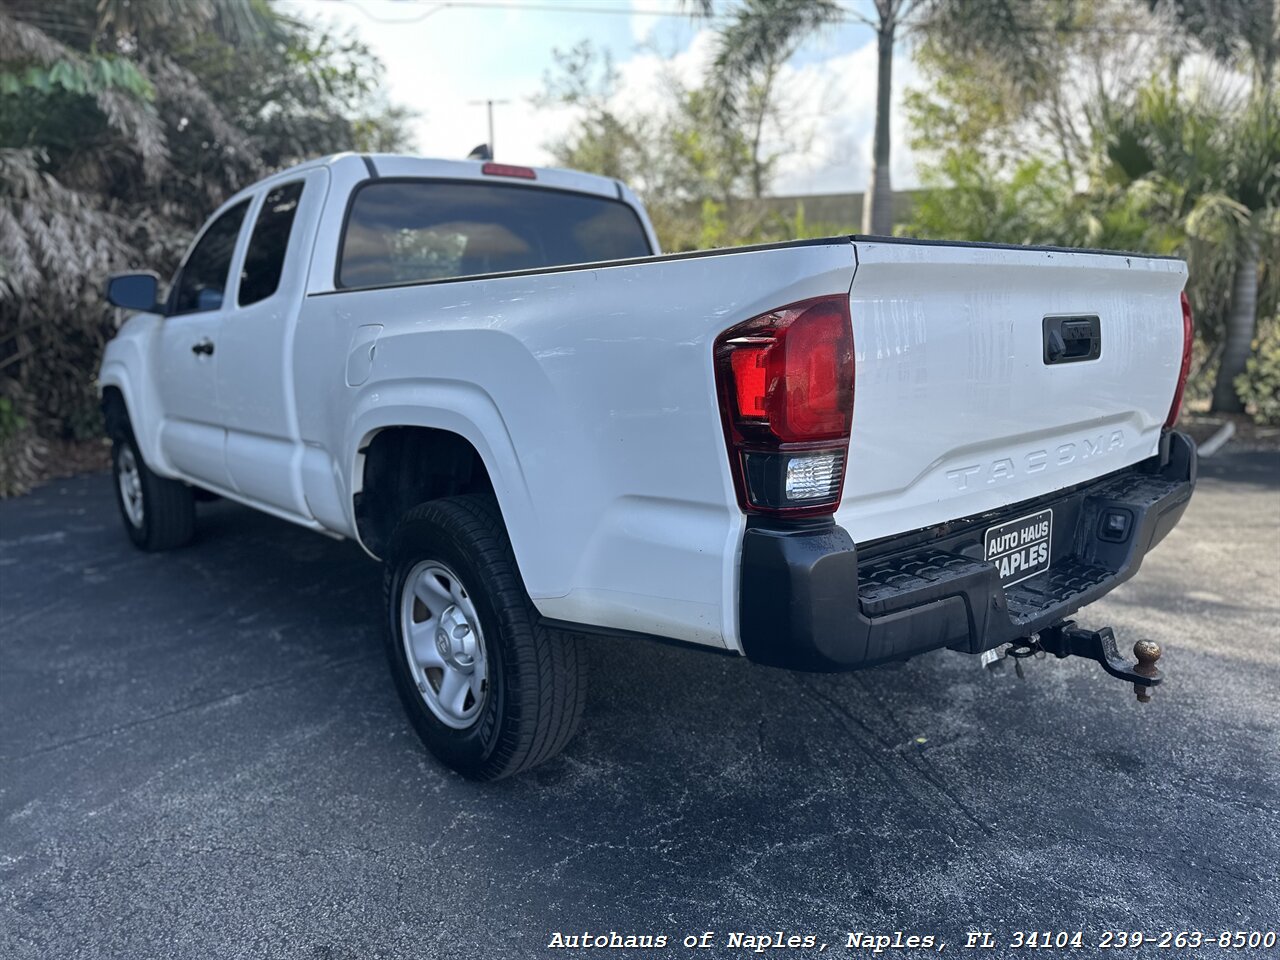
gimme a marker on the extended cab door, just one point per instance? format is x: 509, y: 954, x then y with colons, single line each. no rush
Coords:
x: 191, y: 434
x: 255, y: 347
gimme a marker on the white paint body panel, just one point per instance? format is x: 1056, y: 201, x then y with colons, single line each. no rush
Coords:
x: 589, y: 393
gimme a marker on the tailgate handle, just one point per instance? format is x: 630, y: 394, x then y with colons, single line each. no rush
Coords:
x: 1072, y: 339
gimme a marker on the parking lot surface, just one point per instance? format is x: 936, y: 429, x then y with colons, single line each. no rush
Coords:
x: 201, y: 755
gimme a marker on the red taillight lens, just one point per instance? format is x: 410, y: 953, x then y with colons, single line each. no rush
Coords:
x: 786, y: 396
x: 507, y: 170
x: 1188, y: 336
x: 750, y: 365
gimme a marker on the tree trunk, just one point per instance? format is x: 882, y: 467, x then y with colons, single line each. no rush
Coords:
x: 757, y: 168
x: 1241, y: 322
x: 760, y: 114
x: 877, y: 204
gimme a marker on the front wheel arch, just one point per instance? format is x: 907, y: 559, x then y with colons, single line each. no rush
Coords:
x: 115, y: 412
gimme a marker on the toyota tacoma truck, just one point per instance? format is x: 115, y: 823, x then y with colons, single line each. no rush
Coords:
x: 818, y: 455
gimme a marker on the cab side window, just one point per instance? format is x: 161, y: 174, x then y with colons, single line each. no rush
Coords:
x: 264, y: 261
x: 203, y: 281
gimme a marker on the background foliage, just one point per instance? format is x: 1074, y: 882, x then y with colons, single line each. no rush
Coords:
x: 1154, y: 128
x: 1146, y: 125
x: 122, y: 125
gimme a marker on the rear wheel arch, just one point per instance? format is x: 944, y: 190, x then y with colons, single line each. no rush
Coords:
x: 400, y: 467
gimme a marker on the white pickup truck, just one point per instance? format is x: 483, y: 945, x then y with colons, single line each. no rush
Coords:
x: 821, y: 455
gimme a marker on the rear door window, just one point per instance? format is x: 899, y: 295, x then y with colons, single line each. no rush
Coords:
x: 404, y: 231
x: 203, y: 280
x: 264, y: 258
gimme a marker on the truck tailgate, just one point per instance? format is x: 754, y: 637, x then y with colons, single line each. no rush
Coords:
x: 957, y: 411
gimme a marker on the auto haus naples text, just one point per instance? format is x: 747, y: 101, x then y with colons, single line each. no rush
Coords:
x: 873, y: 943
x: 1022, y: 547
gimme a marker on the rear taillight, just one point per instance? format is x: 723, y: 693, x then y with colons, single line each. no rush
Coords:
x: 785, y: 381
x: 1188, y: 335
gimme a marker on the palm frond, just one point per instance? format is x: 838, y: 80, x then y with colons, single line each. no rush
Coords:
x: 180, y: 89
x: 141, y: 128
x: 23, y: 43
x: 247, y: 23
x: 762, y: 34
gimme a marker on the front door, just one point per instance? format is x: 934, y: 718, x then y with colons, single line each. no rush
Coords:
x: 191, y: 434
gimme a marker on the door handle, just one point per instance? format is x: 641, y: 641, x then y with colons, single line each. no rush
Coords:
x: 205, y: 346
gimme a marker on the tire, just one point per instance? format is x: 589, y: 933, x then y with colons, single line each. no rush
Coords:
x: 158, y: 514
x: 523, y: 687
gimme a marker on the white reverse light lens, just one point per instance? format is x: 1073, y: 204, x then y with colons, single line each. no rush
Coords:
x: 813, y: 477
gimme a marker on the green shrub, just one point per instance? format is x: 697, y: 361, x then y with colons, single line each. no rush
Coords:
x: 1259, y: 385
x: 22, y: 451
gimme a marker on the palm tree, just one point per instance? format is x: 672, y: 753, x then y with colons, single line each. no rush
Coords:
x: 751, y: 48
x: 122, y: 123
x: 1239, y: 205
x: 1245, y: 32
x: 891, y: 17
x: 1213, y: 159
x: 761, y: 35
x: 1245, y: 211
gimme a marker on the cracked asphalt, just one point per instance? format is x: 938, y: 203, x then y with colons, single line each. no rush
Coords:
x: 201, y: 755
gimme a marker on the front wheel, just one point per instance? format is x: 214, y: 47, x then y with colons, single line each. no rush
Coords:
x: 490, y: 691
x: 158, y: 514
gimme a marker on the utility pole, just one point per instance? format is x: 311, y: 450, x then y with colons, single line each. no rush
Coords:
x: 489, y: 104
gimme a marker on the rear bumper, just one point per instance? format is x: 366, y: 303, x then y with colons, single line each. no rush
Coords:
x: 808, y: 601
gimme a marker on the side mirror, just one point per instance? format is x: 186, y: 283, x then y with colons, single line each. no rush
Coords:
x: 135, y: 291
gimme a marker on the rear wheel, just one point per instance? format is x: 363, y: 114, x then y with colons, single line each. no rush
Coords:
x: 490, y: 691
x: 158, y: 514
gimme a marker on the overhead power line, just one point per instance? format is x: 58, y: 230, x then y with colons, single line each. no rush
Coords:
x: 433, y: 7
x: 436, y: 6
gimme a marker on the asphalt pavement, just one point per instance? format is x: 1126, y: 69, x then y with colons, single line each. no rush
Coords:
x: 201, y: 755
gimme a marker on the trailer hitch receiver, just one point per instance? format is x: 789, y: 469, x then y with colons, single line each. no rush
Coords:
x: 1067, y: 640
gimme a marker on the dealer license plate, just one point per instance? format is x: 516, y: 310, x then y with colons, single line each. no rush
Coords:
x: 1020, y: 548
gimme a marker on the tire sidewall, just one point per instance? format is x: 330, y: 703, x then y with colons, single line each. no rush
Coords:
x: 138, y: 534
x: 472, y: 747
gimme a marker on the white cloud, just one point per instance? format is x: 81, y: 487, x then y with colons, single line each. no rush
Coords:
x: 642, y: 77
x: 833, y: 108
x: 655, y: 21
x: 642, y: 25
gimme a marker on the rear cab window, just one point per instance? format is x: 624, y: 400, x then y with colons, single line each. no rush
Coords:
x: 406, y: 231
x: 264, y: 259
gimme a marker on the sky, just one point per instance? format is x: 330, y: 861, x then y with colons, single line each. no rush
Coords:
x: 441, y: 58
